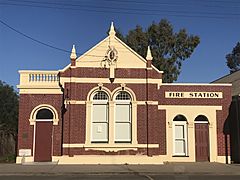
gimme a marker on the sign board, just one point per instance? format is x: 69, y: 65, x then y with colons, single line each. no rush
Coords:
x: 25, y: 152
x: 199, y: 95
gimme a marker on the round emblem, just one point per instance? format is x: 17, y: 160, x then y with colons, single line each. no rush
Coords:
x: 112, y: 55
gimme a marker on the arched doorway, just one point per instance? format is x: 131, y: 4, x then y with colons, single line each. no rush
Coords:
x: 202, y: 138
x: 43, y: 136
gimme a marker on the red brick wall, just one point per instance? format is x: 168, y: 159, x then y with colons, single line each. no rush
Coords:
x: 26, y: 132
x: 75, y: 117
x: 88, y: 72
x: 156, y: 118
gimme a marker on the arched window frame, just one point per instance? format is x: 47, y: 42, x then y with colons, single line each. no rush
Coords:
x: 180, y: 136
x: 100, y: 127
x: 123, y: 121
x: 34, y: 112
x: 205, y: 121
x: 112, y: 103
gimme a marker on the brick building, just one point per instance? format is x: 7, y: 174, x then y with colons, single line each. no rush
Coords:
x: 110, y: 106
x: 233, y: 122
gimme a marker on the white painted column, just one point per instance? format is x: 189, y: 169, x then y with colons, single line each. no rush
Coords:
x: 134, y: 122
x: 111, y: 122
x: 89, y: 106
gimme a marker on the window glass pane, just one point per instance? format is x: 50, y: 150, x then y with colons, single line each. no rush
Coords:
x: 122, y: 113
x: 179, y: 131
x: 123, y: 96
x: 123, y: 132
x: 100, y: 95
x: 179, y: 146
x: 100, y: 132
x: 44, y: 114
x: 100, y: 113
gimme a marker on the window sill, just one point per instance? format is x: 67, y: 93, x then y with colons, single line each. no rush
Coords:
x: 110, y: 147
x: 180, y: 156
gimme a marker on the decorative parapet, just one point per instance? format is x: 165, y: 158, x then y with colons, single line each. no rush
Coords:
x: 32, y: 80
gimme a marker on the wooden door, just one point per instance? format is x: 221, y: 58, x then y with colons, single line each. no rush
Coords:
x: 202, y: 141
x: 43, y: 141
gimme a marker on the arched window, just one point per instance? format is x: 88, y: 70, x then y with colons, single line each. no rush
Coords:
x: 201, y: 119
x: 44, y: 114
x: 100, y: 117
x: 123, y: 117
x: 180, y: 135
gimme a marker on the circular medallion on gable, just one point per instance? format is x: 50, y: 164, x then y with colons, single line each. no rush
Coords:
x: 112, y: 55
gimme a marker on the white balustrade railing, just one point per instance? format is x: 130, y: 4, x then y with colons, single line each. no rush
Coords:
x: 38, y: 77
x: 43, y: 77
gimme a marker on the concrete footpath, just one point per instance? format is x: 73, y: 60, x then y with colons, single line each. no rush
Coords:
x: 169, y: 168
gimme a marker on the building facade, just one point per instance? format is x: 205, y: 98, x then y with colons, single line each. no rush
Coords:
x: 233, y: 121
x: 110, y: 106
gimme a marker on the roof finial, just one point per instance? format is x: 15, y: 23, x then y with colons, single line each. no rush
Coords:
x: 112, y: 31
x: 149, y: 54
x: 73, y: 53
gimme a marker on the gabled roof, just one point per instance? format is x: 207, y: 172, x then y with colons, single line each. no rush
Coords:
x: 234, y: 79
x: 127, y: 57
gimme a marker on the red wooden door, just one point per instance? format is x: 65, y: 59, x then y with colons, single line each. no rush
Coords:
x: 202, y: 142
x: 43, y: 141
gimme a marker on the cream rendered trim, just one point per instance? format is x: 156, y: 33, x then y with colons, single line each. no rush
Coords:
x: 148, y: 102
x: 163, y: 107
x: 137, y: 102
x: 111, y: 122
x: 114, y: 159
x: 110, y: 147
x: 106, y: 80
x: 39, y: 91
x: 222, y: 159
x: 74, y: 102
x: 195, y: 84
x: 37, y: 71
x: 93, y: 90
x: 39, y: 85
x: 108, y: 159
x: 22, y: 160
x: 33, y: 114
x: 115, y: 145
x: 191, y: 112
x: 132, y: 94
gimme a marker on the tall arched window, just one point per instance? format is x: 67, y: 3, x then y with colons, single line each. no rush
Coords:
x: 123, y: 117
x: 180, y: 135
x: 100, y: 117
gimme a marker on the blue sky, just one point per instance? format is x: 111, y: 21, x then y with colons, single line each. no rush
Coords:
x: 85, y: 22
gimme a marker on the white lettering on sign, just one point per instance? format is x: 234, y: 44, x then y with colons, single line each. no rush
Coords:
x: 210, y: 95
x: 24, y: 152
